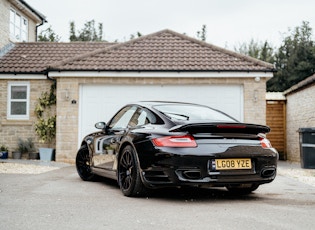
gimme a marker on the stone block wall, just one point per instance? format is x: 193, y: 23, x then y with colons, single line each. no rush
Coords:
x: 4, y: 23
x: 300, y: 114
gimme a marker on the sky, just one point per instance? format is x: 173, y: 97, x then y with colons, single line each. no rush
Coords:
x: 229, y: 23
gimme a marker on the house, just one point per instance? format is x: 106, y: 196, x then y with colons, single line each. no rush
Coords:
x: 24, y: 69
x: 19, y: 22
x: 300, y: 113
x: 95, y: 79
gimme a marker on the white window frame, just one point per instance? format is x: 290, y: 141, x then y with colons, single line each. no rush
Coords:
x: 27, y: 100
x: 18, y: 27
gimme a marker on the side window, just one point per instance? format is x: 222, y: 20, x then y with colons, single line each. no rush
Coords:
x: 18, y: 100
x: 143, y: 118
x: 140, y: 117
x: 122, y: 118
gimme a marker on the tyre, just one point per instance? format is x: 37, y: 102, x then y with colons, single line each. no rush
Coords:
x: 242, y: 189
x: 128, y: 174
x: 83, y: 164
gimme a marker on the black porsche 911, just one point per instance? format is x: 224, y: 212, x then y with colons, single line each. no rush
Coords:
x: 150, y: 145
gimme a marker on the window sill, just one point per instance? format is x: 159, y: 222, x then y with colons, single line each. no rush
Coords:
x: 17, y: 122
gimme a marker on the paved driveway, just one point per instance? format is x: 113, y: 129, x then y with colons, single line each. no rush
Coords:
x: 59, y: 199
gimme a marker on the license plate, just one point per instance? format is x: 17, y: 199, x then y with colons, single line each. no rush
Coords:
x: 237, y: 163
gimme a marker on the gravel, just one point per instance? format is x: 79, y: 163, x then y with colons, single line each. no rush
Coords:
x: 17, y: 168
x: 306, y: 176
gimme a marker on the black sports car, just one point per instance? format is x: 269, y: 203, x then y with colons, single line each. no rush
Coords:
x: 150, y: 145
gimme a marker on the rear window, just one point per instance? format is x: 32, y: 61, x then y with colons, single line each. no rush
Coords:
x: 193, y: 113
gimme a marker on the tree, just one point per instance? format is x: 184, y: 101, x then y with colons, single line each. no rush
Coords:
x: 260, y: 50
x: 88, y: 33
x: 295, y: 59
x: 137, y: 35
x: 202, y: 35
x: 48, y: 35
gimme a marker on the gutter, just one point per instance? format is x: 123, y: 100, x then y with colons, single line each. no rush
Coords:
x: 37, y: 13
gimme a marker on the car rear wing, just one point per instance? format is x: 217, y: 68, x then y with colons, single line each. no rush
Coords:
x: 221, y: 128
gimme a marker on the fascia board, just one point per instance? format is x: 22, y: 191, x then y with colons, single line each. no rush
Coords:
x: 56, y: 74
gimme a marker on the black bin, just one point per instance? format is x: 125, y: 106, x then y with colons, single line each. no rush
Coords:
x: 307, y: 147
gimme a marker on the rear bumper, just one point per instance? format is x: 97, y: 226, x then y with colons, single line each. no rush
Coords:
x: 169, y: 169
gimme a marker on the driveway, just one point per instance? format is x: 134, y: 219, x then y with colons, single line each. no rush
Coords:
x: 59, y: 199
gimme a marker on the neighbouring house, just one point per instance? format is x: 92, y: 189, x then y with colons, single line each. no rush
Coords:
x: 23, y: 70
x: 19, y: 22
x: 300, y: 113
x: 95, y: 79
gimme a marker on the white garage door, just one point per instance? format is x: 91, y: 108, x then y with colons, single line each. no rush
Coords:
x: 100, y: 102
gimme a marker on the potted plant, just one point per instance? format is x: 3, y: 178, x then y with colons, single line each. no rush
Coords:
x: 4, y: 152
x: 22, y: 147
x: 45, y: 127
x: 110, y: 150
x: 28, y: 147
x: 16, y: 154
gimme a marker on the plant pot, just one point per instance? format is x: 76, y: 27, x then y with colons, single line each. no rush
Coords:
x: 46, y: 154
x: 110, y: 151
x: 4, y: 154
x: 33, y: 156
x: 16, y: 155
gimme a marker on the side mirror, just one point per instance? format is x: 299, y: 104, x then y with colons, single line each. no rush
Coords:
x: 100, y: 125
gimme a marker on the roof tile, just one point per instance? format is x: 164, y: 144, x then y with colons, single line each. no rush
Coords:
x: 162, y: 51
x: 36, y: 57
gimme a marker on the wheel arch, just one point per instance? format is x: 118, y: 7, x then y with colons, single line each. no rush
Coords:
x: 122, y: 146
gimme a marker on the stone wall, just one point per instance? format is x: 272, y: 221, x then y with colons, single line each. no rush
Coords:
x: 300, y: 114
x: 4, y: 23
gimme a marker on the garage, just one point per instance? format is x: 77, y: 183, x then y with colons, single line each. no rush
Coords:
x: 100, y: 102
x: 162, y: 66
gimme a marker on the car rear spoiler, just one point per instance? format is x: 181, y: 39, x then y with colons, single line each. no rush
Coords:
x: 221, y: 128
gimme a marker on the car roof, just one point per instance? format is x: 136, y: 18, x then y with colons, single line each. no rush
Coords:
x: 154, y: 103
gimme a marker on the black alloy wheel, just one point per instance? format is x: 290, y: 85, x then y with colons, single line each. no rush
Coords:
x: 128, y: 174
x: 83, y: 164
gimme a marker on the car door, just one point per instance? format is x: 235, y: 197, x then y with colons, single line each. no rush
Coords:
x: 105, y: 146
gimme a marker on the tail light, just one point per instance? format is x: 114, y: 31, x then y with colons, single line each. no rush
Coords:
x: 185, y: 141
x: 265, y: 143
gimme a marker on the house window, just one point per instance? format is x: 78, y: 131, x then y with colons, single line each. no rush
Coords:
x: 18, y: 27
x: 18, y: 100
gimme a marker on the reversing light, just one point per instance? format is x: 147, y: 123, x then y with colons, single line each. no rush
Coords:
x: 175, y: 141
x: 265, y: 143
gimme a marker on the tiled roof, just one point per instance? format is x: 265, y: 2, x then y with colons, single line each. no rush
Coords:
x: 162, y: 51
x: 35, y: 57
